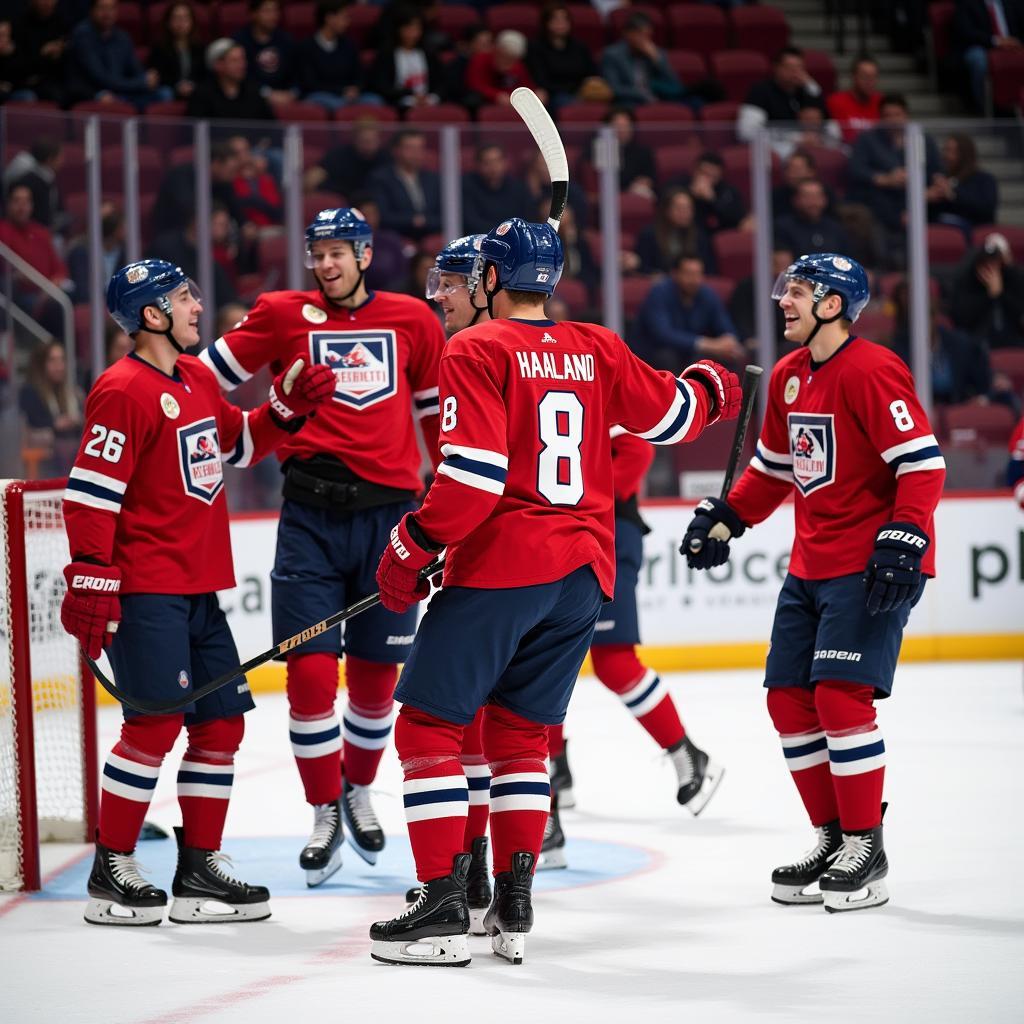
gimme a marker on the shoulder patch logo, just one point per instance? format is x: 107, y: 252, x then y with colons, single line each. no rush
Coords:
x: 364, y: 363
x: 792, y: 390
x: 170, y: 406
x: 812, y: 440
x: 313, y: 314
x: 199, y: 460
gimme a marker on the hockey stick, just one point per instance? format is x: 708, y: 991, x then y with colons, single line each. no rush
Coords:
x: 153, y: 707
x: 751, y: 376
x: 528, y: 106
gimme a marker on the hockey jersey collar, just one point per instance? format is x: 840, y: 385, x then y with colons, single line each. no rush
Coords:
x: 532, y: 323
x: 815, y: 367
x: 176, y: 377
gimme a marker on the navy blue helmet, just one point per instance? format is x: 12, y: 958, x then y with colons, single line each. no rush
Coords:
x: 141, y: 284
x: 828, y: 273
x: 460, y: 256
x: 528, y: 257
x: 344, y: 222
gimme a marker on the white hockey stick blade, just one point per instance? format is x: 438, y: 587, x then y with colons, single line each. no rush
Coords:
x: 528, y: 106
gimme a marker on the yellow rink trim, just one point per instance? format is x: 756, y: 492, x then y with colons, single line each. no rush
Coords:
x: 709, y: 657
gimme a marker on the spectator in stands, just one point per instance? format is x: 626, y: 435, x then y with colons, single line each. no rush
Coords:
x: 227, y: 94
x: 579, y: 264
x: 983, y: 25
x: 329, y: 72
x: 493, y: 75
x: 809, y: 228
x: 269, y: 52
x: 42, y: 33
x: 389, y: 269
x: 489, y: 192
x: 103, y: 64
x: 987, y: 295
x: 858, y: 108
x: 178, y: 56
x: 675, y: 232
x: 743, y: 308
x: 234, y: 252
x: 963, y: 195
x: 559, y: 63
x: 719, y: 205
x: 637, y: 170
x: 416, y: 279
x: 877, y: 171
x: 52, y: 407
x: 116, y: 344
x: 15, y: 67
x: 799, y: 166
x: 37, y: 168
x: 346, y: 168
x: 637, y: 69
x: 682, y: 319
x: 229, y: 316
x: 478, y: 38
x: 259, y: 199
x: 409, y: 196
x: 403, y: 73
x: 779, y: 98
x: 112, y: 240
x: 178, y: 246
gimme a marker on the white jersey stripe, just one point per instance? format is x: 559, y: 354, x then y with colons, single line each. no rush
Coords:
x: 476, y: 454
x: 482, y: 483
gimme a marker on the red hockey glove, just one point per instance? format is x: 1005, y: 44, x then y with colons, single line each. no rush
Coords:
x: 722, y: 385
x: 398, y: 575
x: 91, y: 608
x: 297, y: 391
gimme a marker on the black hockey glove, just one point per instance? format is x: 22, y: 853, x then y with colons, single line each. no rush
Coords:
x: 893, y: 572
x: 706, y: 541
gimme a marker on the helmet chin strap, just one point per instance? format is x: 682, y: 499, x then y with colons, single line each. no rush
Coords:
x: 340, y: 302
x: 820, y: 321
x: 489, y: 295
x: 168, y: 331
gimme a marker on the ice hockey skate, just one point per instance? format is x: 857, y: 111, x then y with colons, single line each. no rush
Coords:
x: 364, y: 831
x: 205, y: 894
x: 552, y: 851
x: 478, y: 887
x: 321, y: 856
x: 510, y: 916
x: 793, y: 882
x: 561, y: 779
x: 699, y: 776
x: 119, y: 895
x: 432, y: 932
x: 855, y: 880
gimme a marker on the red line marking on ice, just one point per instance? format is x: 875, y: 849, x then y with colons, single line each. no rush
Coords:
x: 6, y: 908
x: 219, y: 1002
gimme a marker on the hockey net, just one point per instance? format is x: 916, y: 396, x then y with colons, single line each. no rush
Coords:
x: 47, y: 701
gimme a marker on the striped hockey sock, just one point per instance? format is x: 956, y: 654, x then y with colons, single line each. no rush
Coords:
x: 366, y: 734
x: 204, y: 788
x: 129, y: 779
x: 807, y: 758
x: 645, y: 696
x: 316, y: 744
x: 436, y: 803
x: 857, y: 761
x: 478, y: 777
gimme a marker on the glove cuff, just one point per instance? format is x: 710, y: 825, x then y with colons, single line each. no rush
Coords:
x: 723, y: 513
x: 903, y: 537
x: 92, y: 577
x: 405, y: 544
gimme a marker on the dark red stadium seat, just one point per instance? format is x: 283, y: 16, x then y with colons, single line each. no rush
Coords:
x: 150, y: 164
x: 314, y: 202
x: 663, y: 124
x: 71, y: 173
x: 737, y: 70
x: 887, y: 285
x: 822, y: 69
x: 697, y: 27
x: 365, y: 111
x: 166, y: 108
x: 130, y: 20
x: 634, y: 291
x: 582, y: 113
x: 574, y: 294
x: 454, y: 19
x: 155, y: 14
x: 946, y: 245
x: 734, y: 253
x: 635, y: 211
x: 736, y: 167
x: 760, y: 28
x: 28, y: 106
x: 432, y: 243
x: 675, y: 162
x: 180, y: 155
x: 831, y: 164
x: 1013, y: 233
x: 722, y: 286
x: 689, y: 66
x: 677, y: 113
x: 618, y: 18
x: 970, y: 425
x: 495, y: 113
x: 1006, y: 75
x: 82, y: 313
x: 300, y: 110
x: 298, y: 18
x: 523, y: 18
x: 940, y: 29
x: 875, y: 325
x: 273, y: 250
x: 440, y: 113
x: 587, y: 27
x: 1011, y: 362
x: 361, y: 18
x: 110, y: 108
x: 232, y: 17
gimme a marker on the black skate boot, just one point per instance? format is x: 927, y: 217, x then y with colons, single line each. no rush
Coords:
x: 200, y: 881
x: 510, y: 915
x: 478, y: 886
x: 552, y: 851
x: 321, y: 856
x: 791, y: 880
x: 698, y: 775
x: 432, y: 932
x: 118, y: 894
x: 855, y: 880
x: 364, y: 831
x: 561, y: 779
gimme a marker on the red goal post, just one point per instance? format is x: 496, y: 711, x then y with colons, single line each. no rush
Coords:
x: 48, y: 765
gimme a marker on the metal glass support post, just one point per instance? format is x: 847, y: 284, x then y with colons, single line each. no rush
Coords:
x: 451, y: 183
x: 917, y: 266
x: 761, y: 194
x: 607, y: 163
x: 293, y: 226
x: 203, y: 239
x: 132, y: 220
x: 94, y: 236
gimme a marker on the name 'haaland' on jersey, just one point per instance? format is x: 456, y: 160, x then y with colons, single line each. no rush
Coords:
x: 548, y: 366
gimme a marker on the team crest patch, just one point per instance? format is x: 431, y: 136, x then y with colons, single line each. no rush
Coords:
x: 792, y: 390
x: 364, y: 364
x: 170, y: 406
x: 313, y: 314
x: 812, y: 440
x: 503, y: 228
x: 183, y: 679
x: 199, y: 456
x: 136, y: 273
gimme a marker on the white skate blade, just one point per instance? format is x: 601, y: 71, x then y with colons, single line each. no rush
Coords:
x: 874, y: 894
x: 476, y: 921
x: 370, y: 856
x: 794, y: 895
x: 99, y: 911
x: 510, y: 946
x: 318, y: 876
x: 192, y: 910
x: 431, y: 951
x: 552, y: 860
x: 566, y: 799
x: 713, y: 775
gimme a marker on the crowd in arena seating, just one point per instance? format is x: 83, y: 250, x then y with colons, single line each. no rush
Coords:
x: 683, y: 86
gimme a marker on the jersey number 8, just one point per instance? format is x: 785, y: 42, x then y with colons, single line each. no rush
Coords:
x: 560, y: 465
x: 901, y: 415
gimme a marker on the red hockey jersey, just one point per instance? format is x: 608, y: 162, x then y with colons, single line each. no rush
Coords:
x: 1015, y: 470
x: 525, y: 492
x: 384, y: 354
x: 146, y: 492
x: 850, y: 437
x: 631, y: 458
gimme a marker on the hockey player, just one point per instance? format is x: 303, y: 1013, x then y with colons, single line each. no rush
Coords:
x: 523, y: 503
x: 147, y: 525
x: 844, y: 428
x: 348, y: 480
x: 1015, y: 467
